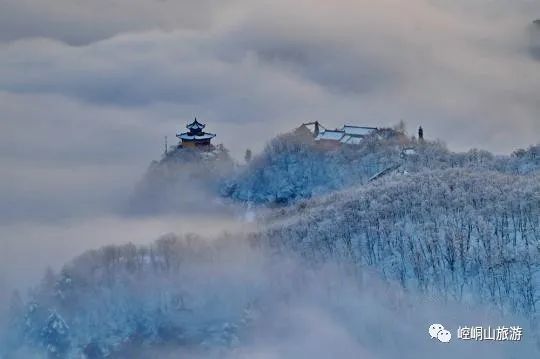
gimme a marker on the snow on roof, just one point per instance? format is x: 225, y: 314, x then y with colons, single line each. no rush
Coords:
x: 330, y: 135
x: 351, y: 140
x: 196, y: 125
x: 204, y: 136
x: 358, y: 130
x: 311, y: 126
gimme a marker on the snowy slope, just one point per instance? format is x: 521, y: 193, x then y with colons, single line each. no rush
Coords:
x: 292, y: 168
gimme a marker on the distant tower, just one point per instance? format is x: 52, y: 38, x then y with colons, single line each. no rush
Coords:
x: 196, y: 137
x: 420, y: 133
x: 165, y: 152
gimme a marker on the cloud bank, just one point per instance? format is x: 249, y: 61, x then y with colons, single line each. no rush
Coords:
x: 89, y: 90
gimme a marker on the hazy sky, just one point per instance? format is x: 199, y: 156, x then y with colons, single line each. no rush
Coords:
x: 88, y: 89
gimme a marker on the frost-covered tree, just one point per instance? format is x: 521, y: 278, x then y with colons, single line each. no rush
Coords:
x: 55, y: 336
x: 458, y: 232
x: 293, y: 167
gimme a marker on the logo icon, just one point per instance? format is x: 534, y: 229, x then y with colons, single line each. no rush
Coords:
x: 437, y: 331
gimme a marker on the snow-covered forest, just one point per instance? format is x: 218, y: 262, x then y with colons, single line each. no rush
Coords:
x: 393, y: 227
x: 293, y: 167
x: 462, y: 234
x: 239, y: 179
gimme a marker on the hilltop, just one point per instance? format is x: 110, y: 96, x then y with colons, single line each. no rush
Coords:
x: 302, y: 164
x: 184, y: 179
x: 398, y: 220
x: 294, y: 166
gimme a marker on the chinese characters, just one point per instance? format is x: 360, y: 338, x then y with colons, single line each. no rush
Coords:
x: 499, y: 333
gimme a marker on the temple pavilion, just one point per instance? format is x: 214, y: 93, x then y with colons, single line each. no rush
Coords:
x: 347, y: 135
x: 195, y: 137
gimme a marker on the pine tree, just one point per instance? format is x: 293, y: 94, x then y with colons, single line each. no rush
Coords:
x: 55, y: 336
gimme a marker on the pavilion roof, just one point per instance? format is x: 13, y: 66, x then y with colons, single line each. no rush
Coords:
x: 195, y: 125
x: 358, y: 130
x: 334, y: 135
x: 202, y: 136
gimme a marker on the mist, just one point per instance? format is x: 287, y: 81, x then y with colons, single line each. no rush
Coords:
x: 239, y: 301
x: 88, y: 96
x: 89, y: 90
